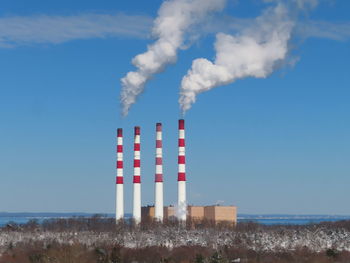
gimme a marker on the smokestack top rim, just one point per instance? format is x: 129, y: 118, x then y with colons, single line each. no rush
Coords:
x: 181, y: 124
x: 120, y: 132
x: 137, y: 130
x: 159, y: 126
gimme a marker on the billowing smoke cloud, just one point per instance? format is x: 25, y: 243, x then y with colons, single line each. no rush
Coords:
x: 175, y: 19
x: 255, y: 52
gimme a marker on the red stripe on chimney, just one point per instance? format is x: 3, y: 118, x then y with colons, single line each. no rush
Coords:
x: 119, y: 148
x: 119, y: 164
x: 119, y: 180
x: 137, y: 163
x: 181, y: 159
x: 137, y: 147
x: 181, y: 142
x: 159, y: 161
x: 181, y: 176
x: 159, y: 144
x: 137, y: 179
x: 159, y: 178
x: 181, y: 124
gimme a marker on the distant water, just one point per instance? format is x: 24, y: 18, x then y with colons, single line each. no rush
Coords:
x: 22, y: 218
x: 290, y: 219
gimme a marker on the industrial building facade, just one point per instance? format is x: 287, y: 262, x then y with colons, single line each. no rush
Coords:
x: 214, y: 213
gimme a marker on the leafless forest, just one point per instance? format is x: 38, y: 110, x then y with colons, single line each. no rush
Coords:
x: 99, y: 239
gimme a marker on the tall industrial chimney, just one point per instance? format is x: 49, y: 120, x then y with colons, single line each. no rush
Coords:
x: 119, y: 211
x: 158, y: 202
x: 137, y: 177
x: 182, y: 205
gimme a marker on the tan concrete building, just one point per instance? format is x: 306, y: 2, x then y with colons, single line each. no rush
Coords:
x: 147, y: 211
x: 221, y: 213
x: 195, y: 212
x: 169, y: 212
x: 212, y: 213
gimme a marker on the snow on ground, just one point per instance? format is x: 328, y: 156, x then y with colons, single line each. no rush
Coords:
x: 315, y: 239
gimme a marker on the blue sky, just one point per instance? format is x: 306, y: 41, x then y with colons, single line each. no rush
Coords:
x: 274, y: 145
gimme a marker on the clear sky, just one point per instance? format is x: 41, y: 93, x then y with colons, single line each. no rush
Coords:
x: 274, y: 145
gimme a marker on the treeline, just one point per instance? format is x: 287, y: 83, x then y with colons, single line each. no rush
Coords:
x: 101, y: 223
x: 76, y: 253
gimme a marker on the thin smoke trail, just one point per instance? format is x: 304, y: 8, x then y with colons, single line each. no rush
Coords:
x: 175, y: 19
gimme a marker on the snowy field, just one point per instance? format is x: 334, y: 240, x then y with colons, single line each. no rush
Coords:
x: 315, y: 238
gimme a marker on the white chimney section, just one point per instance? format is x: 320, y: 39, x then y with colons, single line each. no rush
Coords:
x: 158, y: 202
x: 119, y: 211
x: 137, y: 177
x: 181, y: 204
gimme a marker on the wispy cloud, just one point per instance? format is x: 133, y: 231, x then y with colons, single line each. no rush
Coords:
x: 322, y: 29
x: 43, y: 29
x: 27, y: 30
x: 337, y: 30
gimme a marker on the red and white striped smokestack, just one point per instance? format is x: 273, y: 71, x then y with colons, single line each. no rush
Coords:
x: 181, y: 179
x: 137, y: 177
x: 119, y: 211
x: 158, y: 202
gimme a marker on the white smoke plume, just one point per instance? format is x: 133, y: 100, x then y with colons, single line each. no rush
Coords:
x: 255, y: 52
x: 180, y: 210
x: 175, y: 19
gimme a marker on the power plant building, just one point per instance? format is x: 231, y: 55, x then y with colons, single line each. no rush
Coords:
x: 213, y: 213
